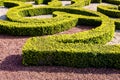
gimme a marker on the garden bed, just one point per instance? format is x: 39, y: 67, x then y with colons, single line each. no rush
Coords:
x: 11, y: 67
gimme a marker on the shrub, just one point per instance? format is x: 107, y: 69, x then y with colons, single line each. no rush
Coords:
x: 116, y: 2
x: 84, y: 49
x: 96, y: 1
x: 75, y: 50
x: 1, y: 2
x: 48, y: 51
x: 111, y: 11
x: 77, y: 3
x: 39, y: 1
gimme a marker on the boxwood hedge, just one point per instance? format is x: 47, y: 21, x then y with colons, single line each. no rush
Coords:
x: 116, y: 2
x: 42, y: 26
x: 48, y: 51
x: 96, y: 1
x: 111, y: 11
x: 85, y: 49
x: 82, y: 49
x: 55, y: 3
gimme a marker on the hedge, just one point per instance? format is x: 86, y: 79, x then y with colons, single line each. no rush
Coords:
x: 51, y: 3
x: 19, y: 15
x: 51, y: 51
x: 1, y: 2
x: 35, y: 29
x: 77, y: 50
x: 79, y: 3
x: 48, y: 51
x: 55, y: 3
x: 116, y: 2
x: 82, y: 49
x: 96, y: 1
x: 43, y: 26
x: 111, y: 11
x: 42, y: 1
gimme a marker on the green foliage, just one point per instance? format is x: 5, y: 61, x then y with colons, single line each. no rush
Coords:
x: 16, y: 5
x: 77, y: 50
x: 111, y: 11
x: 1, y: 2
x: 77, y: 3
x: 46, y: 51
x: 116, y: 2
x: 55, y: 3
x: 96, y: 1
x: 39, y: 1
x: 85, y: 49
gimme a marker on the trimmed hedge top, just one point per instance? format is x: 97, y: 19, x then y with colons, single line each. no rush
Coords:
x: 34, y: 27
x: 111, y: 11
x: 83, y: 49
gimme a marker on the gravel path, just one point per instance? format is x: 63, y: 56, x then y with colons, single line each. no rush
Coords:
x: 3, y: 12
x: 12, y: 69
x: 66, y: 3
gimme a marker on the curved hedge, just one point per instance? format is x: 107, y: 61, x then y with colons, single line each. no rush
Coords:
x: 79, y: 3
x: 19, y: 15
x: 36, y: 27
x: 42, y: 26
x: 75, y: 50
x: 96, y: 1
x: 116, y: 2
x: 55, y: 3
x: 111, y: 11
x: 85, y: 49
x: 48, y: 51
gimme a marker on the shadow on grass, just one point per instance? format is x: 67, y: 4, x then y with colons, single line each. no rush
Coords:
x: 13, y: 63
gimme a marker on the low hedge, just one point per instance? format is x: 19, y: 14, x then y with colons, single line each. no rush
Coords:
x: 55, y: 3
x: 43, y: 26
x: 20, y: 0
x: 47, y: 51
x: 96, y: 1
x: 76, y: 50
x: 79, y: 3
x: 1, y: 2
x: 72, y: 50
x: 111, y: 11
x: 34, y: 29
x: 19, y: 15
x: 116, y: 2
x: 117, y: 23
x: 82, y: 49
x: 42, y: 1
x: 16, y: 4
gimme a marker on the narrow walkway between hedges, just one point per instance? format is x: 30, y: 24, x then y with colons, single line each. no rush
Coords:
x: 3, y: 12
